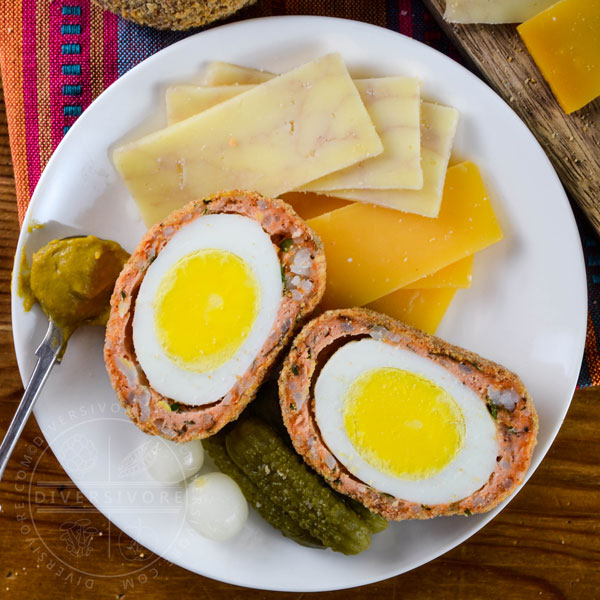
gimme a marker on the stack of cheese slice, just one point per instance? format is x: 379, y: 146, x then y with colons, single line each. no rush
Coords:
x: 364, y: 161
x: 416, y: 136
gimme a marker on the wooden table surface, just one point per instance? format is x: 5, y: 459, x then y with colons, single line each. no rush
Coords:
x: 54, y: 545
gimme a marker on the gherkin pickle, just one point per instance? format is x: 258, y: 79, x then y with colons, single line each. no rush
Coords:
x: 281, y: 476
x: 266, y: 408
x: 278, y: 518
x: 375, y: 523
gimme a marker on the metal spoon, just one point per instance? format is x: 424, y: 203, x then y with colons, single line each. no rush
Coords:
x: 49, y: 352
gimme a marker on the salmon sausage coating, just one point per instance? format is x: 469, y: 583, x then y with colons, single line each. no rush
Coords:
x: 499, y: 394
x: 302, y: 261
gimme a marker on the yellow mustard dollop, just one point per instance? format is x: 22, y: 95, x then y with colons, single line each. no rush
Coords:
x: 73, y: 279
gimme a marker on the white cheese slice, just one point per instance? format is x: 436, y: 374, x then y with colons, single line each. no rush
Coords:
x: 393, y: 104
x: 438, y: 127
x: 222, y: 73
x: 274, y: 138
x: 185, y: 101
x: 494, y: 11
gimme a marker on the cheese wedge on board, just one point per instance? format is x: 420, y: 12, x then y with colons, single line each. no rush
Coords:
x: 438, y: 127
x: 423, y: 309
x: 272, y: 139
x: 394, y: 105
x: 372, y: 251
x: 456, y: 275
x: 564, y: 41
x: 493, y: 11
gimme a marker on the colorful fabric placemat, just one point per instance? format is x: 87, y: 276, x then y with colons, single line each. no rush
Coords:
x: 56, y: 56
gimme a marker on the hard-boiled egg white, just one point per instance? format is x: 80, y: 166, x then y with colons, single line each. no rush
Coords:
x: 215, y: 506
x: 169, y: 462
x: 404, y: 424
x: 206, y: 306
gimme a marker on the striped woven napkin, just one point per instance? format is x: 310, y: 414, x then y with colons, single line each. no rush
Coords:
x: 56, y: 56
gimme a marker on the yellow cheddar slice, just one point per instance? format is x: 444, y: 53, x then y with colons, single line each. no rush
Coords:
x: 564, y: 41
x: 493, y: 11
x: 459, y: 274
x: 423, y: 309
x: 372, y: 251
x: 185, y: 101
x: 393, y: 103
x: 274, y: 138
x: 222, y: 73
x: 438, y: 127
x: 310, y: 205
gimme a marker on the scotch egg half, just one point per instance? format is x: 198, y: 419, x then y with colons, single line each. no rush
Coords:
x: 402, y: 421
x: 203, y: 307
x: 206, y: 306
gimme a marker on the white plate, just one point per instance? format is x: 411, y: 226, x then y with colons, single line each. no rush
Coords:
x: 526, y: 309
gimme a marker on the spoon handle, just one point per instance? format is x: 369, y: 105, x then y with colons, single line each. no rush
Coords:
x: 49, y: 352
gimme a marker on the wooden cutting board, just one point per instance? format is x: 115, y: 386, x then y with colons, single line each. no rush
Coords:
x: 572, y: 142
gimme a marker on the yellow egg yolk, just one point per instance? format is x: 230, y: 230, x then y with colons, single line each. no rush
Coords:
x: 403, y: 424
x: 205, y: 308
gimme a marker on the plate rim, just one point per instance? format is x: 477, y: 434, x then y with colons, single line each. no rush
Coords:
x: 481, y: 520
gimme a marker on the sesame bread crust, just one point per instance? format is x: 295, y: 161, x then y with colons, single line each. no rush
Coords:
x: 174, y: 14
